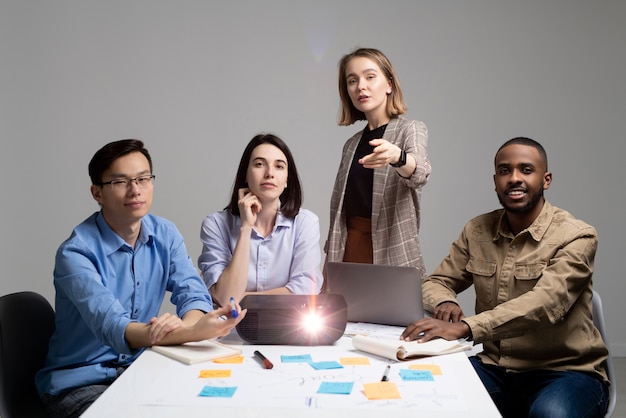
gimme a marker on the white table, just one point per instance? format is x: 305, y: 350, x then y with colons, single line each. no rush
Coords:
x: 156, y: 386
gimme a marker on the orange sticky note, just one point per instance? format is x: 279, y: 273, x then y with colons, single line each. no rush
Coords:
x: 230, y: 360
x: 354, y: 361
x: 214, y: 373
x: 381, y: 390
x: 434, y: 368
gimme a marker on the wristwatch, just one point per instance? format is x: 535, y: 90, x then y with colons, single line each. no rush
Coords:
x: 401, y: 161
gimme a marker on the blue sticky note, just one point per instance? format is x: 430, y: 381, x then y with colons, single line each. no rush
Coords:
x: 336, y: 388
x: 302, y: 358
x: 417, y: 375
x: 217, y: 392
x: 325, y: 365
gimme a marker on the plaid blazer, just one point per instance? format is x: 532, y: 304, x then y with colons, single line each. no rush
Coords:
x: 395, y: 200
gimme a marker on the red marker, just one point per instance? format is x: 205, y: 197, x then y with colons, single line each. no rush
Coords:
x: 268, y: 364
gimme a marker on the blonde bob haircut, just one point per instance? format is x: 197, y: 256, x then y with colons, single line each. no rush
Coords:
x: 395, y: 101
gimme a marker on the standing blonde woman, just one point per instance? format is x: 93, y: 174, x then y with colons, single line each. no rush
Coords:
x: 375, y: 205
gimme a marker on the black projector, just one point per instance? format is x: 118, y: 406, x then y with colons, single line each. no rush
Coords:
x: 293, y: 319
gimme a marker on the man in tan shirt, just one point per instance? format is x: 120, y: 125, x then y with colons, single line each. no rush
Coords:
x: 531, y: 266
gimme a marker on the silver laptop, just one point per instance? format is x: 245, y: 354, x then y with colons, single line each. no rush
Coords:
x: 389, y: 295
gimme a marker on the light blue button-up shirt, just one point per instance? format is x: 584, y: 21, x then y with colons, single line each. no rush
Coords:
x: 103, y: 284
x: 288, y: 257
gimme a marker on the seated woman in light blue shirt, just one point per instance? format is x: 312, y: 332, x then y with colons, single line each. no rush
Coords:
x: 263, y: 241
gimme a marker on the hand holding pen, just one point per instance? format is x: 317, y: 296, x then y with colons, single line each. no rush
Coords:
x: 234, y: 310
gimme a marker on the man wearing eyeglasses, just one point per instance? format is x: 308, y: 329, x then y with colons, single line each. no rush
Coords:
x: 111, y: 276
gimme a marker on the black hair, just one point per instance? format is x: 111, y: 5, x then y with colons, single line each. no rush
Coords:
x: 521, y: 140
x: 106, y: 155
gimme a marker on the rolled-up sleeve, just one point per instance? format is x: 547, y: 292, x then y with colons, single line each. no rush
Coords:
x: 188, y: 290
x: 415, y: 143
x: 216, y: 249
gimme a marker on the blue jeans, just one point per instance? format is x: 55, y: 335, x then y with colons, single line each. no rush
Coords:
x: 544, y: 393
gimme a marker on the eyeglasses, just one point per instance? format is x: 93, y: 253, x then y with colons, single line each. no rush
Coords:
x: 143, y: 182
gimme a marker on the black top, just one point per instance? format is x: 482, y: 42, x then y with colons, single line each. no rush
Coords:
x: 358, y: 196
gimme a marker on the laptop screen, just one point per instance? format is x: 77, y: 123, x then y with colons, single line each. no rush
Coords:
x: 379, y: 294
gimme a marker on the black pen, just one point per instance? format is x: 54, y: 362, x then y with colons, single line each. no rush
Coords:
x: 268, y: 364
x: 386, y: 374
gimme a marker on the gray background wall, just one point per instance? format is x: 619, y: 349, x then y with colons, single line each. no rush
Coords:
x: 197, y: 79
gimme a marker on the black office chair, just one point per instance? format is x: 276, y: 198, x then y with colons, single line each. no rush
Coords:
x: 26, y: 324
x: 598, y: 321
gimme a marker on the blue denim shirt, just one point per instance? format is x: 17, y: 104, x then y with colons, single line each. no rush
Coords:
x: 102, y: 284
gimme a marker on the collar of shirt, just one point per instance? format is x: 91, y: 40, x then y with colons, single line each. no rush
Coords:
x: 113, y: 242
x: 536, y: 230
x: 281, y: 221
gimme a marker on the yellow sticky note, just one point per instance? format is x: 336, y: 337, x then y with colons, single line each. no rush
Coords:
x: 354, y: 361
x: 381, y: 390
x: 230, y: 360
x: 434, y: 368
x: 205, y: 374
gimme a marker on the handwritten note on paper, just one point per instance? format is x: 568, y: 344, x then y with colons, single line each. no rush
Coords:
x: 302, y: 358
x: 230, y: 360
x: 287, y: 385
x: 417, y: 375
x: 381, y: 390
x: 336, y: 388
x: 354, y: 361
x: 217, y: 392
x: 211, y: 374
x: 435, y: 369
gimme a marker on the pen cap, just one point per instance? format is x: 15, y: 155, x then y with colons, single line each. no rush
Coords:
x: 293, y: 319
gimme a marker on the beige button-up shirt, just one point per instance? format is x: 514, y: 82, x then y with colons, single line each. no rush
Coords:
x: 533, y: 291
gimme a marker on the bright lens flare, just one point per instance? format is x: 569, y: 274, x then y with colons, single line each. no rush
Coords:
x: 312, y: 322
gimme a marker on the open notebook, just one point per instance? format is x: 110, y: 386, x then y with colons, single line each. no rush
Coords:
x: 407, y: 350
x: 379, y: 294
